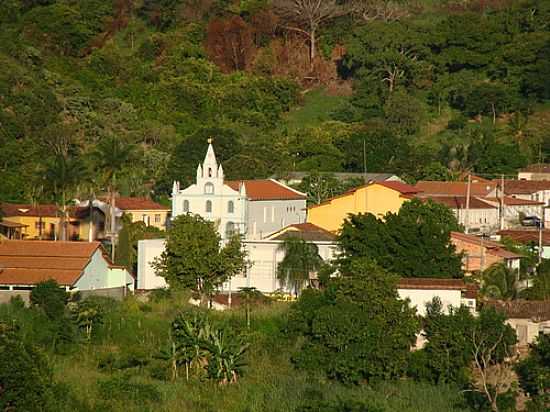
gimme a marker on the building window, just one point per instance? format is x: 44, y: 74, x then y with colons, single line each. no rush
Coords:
x: 157, y: 218
x: 272, y: 214
x: 229, y: 230
x: 230, y: 207
x: 208, y: 206
x: 209, y: 172
x: 186, y: 206
x: 209, y: 189
x: 39, y: 225
x: 145, y: 219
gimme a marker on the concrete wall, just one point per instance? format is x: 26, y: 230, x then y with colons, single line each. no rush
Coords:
x: 375, y: 199
x: 483, y: 220
x: 98, y: 275
x: 419, y: 298
x: 266, y: 217
x: 148, y: 251
x: 114, y: 293
x: 6, y: 295
x: 156, y: 218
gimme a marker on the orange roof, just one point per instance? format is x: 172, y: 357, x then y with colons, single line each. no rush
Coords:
x: 537, y: 168
x: 266, y: 189
x: 431, y: 283
x: 526, y: 236
x: 47, y: 210
x: 459, y: 202
x: 26, y: 262
x: 138, y: 203
x: 455, y: 188
x: 491, y: 247
x: 516, y: 187
x: 305, y: 231
x: 514, y: 201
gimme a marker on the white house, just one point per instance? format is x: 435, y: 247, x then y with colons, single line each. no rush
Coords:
x: 253, y: 208
x: 77, y: 266
x: 263, y: 255
x: 452, y: 293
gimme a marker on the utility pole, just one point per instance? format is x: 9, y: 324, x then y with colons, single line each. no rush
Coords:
x: 501, y: 202
x: 467, y: 214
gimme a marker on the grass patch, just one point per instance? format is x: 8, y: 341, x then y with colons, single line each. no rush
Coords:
x: 316, y: 108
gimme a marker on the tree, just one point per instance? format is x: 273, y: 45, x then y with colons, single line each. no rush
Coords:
x: 356, y: 329
x: 230, y: 43
x: 499, y: 282
x: 415, y: 242
x: 300, y: 260
x: 111, y: 156
x: 61, y: 178
x: 194, y: 258
x: 88, y: 314
x: 25, y: 378
x: 534, y: 374
x: 307, y: 16
x: 51, y: 298
x: 249, y: 295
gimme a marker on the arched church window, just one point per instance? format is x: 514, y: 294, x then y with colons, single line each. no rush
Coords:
x: 209, y: 172
x: 186, y: 206
x: 209, y: 188
x: 208, y: 206
x: 230, y: 207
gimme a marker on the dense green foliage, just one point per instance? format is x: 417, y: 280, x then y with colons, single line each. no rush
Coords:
x: 429, y: 88
x: 355, y: 329
x: 415, y: 242
x: 51, y: 298
x: 534, y: 374
x: 301, y: 259
x: 194, y: 258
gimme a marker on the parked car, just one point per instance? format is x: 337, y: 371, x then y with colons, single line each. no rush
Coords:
x: 531, y: 221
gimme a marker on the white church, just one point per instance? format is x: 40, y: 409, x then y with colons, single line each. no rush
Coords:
x: 254, y: 208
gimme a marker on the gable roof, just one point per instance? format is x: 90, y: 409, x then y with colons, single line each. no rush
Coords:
x: 536, y: 310
x: 526, y: 236
x: 491, y: 247
x: 306, y: 231
x: 138, y: 203
x: 459, y: 202
x: 266, y: 189
x: 513, y: 201
x: 26, y: 262
x: 455, y: 188
x: 44, y: 210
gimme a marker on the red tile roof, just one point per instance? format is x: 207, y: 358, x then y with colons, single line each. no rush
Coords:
x: 305, y: 231
x: 459, y: 202
x: 431, y: 284
x: 536, y: 310
x: 266, y: 189
x: 138, y: 203
x: 516, y: 187
x: 47, y: 210
x: 514, y: 201
x: 24, y: 262
x: 526, y: 236
x: 455, y: 188
x: 491, y: 247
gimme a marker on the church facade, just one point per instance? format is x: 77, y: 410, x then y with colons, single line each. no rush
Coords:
x: 253, y: 208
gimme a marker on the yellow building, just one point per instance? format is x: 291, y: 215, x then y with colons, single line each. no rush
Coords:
x: 142, y: 209
x: 377, y: 198
x: 44, y: 221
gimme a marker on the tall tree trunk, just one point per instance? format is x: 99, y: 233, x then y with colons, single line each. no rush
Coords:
x: 113, y: 224
x: 312, y: 46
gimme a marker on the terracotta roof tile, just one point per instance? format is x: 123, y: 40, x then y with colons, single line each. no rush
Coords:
x: 455, y: 188
x: 526, y: 236
x: 537, y: 310
x: 400, y: 187
x: 25, y: 262
x: 266, y: 189
x: 537, y: 168
x: 514, y: 201
x: 46, y: 210
x: 305, y: 231
x: 459, y: 202
x: 491, y: 247
x: 513, y: 187
x: 138, y: 203
x: 431, y: 284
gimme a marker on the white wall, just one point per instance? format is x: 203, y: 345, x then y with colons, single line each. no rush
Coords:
x: 419, y: 298
x: 99, y: 275
x: 148, y: 250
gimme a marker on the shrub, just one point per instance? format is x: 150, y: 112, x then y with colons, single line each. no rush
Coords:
x: 50, y: 297
x: 122, y: 388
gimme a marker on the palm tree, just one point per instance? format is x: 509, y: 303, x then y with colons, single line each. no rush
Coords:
x: 499, y: 282
x: 301, y: 258
x: 110, y: 158
x: 249, y: 295
x: 62, y: 177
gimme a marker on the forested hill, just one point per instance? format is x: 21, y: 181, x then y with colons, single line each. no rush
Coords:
x: 431, y: 87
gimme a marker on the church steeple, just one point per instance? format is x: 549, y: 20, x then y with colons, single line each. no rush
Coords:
x: 210, y: 165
